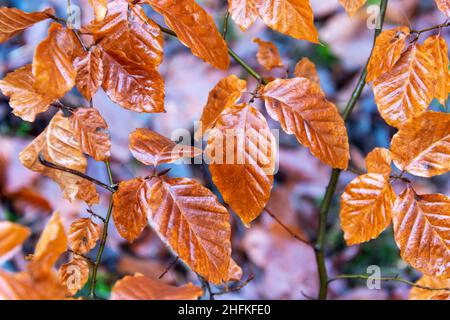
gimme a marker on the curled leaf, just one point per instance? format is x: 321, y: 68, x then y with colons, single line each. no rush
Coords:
x: 268, y: 55
x: 83, y: 235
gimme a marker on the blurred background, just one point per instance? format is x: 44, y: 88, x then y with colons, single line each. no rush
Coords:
x: 283, y: 268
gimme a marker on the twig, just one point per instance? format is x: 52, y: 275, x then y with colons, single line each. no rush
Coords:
x: 207, y: 286
x: 394, y: 278
x: 74, y: 172
x: 292, y: 233
x: 225, y: 25
x: 334, y: 178
x: 169, y: 267
x: 236, y: 288
x: 89, y: 210
x: 82, y: 255
x: 439, y: 26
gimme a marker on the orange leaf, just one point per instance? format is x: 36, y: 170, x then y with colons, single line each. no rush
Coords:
x: 12, y: 235
x: 235, y: 272
x: 52, y: 243
x: 99, y: 7
x: 305, y: 68
x: 417, y: 293
x: 15, y: 21
x: 83, y: 235
x: 53, y: 68
x: 352, y: 6
x: 224, y: 94
x: 151, y: 148
x: 89, y: 68
x: 268, y: 55
x: 25, y: 100
x: 379, y: 161
x: 88, y: 192
x: 92, y: 132
x: 243, y: 12
x: 195, y: 28
x: 386, y: 52
x: 139, y: 287
x: 408, y: 88
x: 292, y: 17
x: 74, y: 275
x: 131, y: 206
x: 422, y: 231
x: 190, y: 219
x: 241, y: 154
x: 422, y: 145
x: 444, y: 6
x: 366, y: 207
x: 302, y: 109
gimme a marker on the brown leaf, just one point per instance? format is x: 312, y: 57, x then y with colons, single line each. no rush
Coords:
x: 53, y: 68
x: 224, y: 94
x: 366, y: 207
x: 83, y: 235
x: 444, y: 6
x: 241, y: 157
x: 352, y: 6
x: 89, y: 68
x: 88, y: 193
x: 11, y: 236
x: 268, y: 55
x: 379, y: 161
x: 386, y: 52
x: 417, y: 293
x: 437, y: 46
x: 408, y: 88
x: 151, y: 148
x: 243, y: 12
x: 99, y: 7
x: 131, y: 207
x: 74, y: 275
x: 190, y: 219
x: 305, y: 68
x: 302, y: 109
x: 52, y: 243
x: 139, y: 287
x: 292, y: 17
x: 195, y: 28
x: 235, y: 272
x: 25, y: 100
x: 422, y: 231
x: 15, y: 21
x: 58, y: 145
x: 422, y: 145
x: 92, y: 133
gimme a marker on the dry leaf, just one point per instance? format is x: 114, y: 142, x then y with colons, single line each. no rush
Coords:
x: 268, y: 55
x: 83, y: 235
x: 408, y: 88
x: 437, y: 46
x: 241, y: 153
x: 422, y: 145
x: 235, y: 272
x: 352, y: 6
x: 430, y: 282
x: 99, y: 7
x: 151, y: 148
x: 224, y: 95
x: 87, y: 191
x: 14, y: 21
x: 195, y: 28
x: 444, y: 6
x: 139, y: 287
x: 379, y: 161
x: 302, y: 109
x: 89, y: 68
x: 366, y: 207
x: 305, y: 68
x: 131, y: 207
x: 422, y: 231
x: 388, y: 48
x: 74, y: 275
x: 12, y: 235
x: 243, y: 12
x: 25, y: 100
x: 92, y: 133
x: 190, y: 219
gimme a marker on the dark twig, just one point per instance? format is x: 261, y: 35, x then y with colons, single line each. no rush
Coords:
x: 82, y: 256
x: 236, y: 288
x: 89, y: 210
x: 174, y: 262
x: 292, y: 233
x: 206, y: 286
x: 225, y: 25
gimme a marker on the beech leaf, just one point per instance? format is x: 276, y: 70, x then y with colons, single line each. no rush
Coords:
x: 243, y: 12
x: 268, y: 55
x: 89, y: 68
x: 379, y: 161
x: 12, y: 235
x: 83, y: 235
x: 74, y: 274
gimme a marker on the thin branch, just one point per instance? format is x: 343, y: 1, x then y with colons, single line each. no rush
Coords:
x: 174, y: 262
x: 96, y: 215
x: 82, y: 255
x: 394, y: 278
x: 334, y: 178
x: 74, y: 172
x: 236, y: 288
x: 439, y: 26
x: 225, y: 25
x: 292, y: 233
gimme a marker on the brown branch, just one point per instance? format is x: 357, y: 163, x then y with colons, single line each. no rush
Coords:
x: 169, y: 267
x: 439, y: 26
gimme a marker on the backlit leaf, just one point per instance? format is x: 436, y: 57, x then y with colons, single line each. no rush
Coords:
x: 14, y: 21
x: 268, y: 55
x: 83, y: 235
x: 302, y: 109
x: 25, y: 100
x: 190, y: 219
x: 422, y: 145
x: 151, y: 148
x: 408, y: 88
x: 437, y: 46
x: 430, y: 282
x: 444, y: 6
x: 379, y: 161
x: 12, y: 235
x: 139, y: 287
x: 89, y: 68
x: 352, y: 6
x: 422, y: 231
x: 243, y: 12
x: 74, y: 274
x: 235, y: 272
x: 241, y: 152
x: 305, y: 68
x: 366, y: 207
x: 99, y: 7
